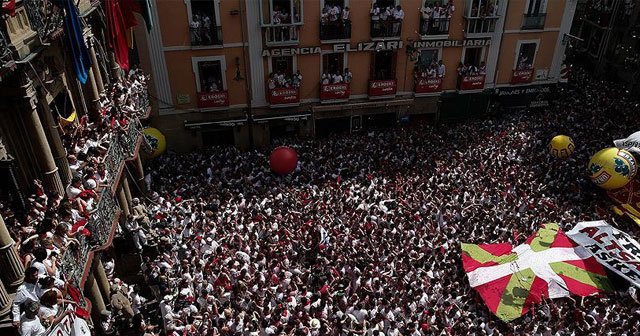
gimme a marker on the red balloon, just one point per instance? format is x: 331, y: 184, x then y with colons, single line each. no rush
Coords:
x: 283, y: 160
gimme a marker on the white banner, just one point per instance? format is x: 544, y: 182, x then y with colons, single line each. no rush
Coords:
x: 613, y: 248
x: 70, y: 325
x: 629, y: 143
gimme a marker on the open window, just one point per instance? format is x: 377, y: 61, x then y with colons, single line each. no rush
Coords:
x: 333, y: 63
x: 282, y: 64
x: 526, y: 56
x: 435, y: 17
x: 427, y: 57
x: 204, y: 22
x: 211, y: 82
x: 210, y: 75
x: 535, y: 14
x: 383, y: 65
x: 281, y: 12
x: 474, y: 56
x: 481, y: 8
x: 335, y: 20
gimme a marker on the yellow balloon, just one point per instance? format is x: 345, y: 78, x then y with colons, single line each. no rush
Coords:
x: 612, y: 168
x: 156, y: 140
x: 561, y: 146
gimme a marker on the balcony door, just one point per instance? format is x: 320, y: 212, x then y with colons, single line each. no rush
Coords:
x: 474, y: 56
x: 204, y: 22
x: 210, y: 73
x: 383, y: 65
x: 526, y: 55
x: 281, y: 12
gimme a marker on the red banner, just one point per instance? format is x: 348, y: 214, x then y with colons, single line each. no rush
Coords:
x: 522, y: 76
x: 428, y: 85
x: 213, y: 99
x: 334, y: 91
x: 284, y: 96
x: 472, y: 82
x: 387, y: 87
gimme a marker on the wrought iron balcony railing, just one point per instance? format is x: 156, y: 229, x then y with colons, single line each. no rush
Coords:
x: 338, y: 30
x: 206, y: 36
x: 434, y: 26
x: 46, y: 18
x: 533, y: 21
x: 385, y: 29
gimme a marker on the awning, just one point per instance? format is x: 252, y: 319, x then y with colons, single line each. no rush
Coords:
x: 364, y: 105
x: 229, y: 123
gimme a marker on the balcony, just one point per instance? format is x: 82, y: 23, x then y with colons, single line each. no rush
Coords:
x: 45, y: 18
x: 206, y: 36
x: 481, y: 26
x: 75, y: 262
x: 334, y: 93
x: 213, y: 99
x: 427, y: 86
x: 283, y: 34
x: 385, y: 88
x: 471, y: 83
x: 524, y: 76
x: 388, y: 29
x: 284, y: 97
x: 434, y: 28
x: 332, y: 31
x: 533, y: 21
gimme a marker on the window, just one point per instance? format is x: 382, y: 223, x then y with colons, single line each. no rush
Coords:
x: 335, y: 20
x: 384, y: 65
x: 526, y: 56
x: 276, y: 12
x: 435, y: 17
x: 282, y: 64
x: 332, y: 63
x: 535, y: 7
x: 210, y: 73
x: 283, y: 73
x: 204, y: 22
x: 482, y: 8
x: 428, y: 57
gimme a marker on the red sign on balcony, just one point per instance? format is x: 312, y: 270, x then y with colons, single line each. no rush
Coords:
x: 428, y: 85
x: 381, y: 88
x: 283, y: 96
x: 522, y: 76
x: 475, y: 82
x: 338, y: 91
x: 213, y: 99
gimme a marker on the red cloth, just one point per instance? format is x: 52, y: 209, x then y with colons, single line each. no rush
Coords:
x: 120, y: 19
x: 9, y: 7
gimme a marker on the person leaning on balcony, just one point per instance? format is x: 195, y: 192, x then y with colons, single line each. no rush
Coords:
x: 441, y: 69
x: 296, y: 80
x: 427, y: 12
x: 482, y: 70
x: 348, y: 76
x: 346, y: 21
x: 29, y: 290
x: 398, y: 16
x: 375, y: 19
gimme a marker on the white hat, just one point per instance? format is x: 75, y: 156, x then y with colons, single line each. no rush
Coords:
x: 314, y: 324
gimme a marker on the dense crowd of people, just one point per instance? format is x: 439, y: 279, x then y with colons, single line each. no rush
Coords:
x: 364, y: 237
x: 280, y: 79
x: 431, y: 70
x: 436, y: 16
x: 337, y: 77
x: 470, y: 69
x: 54, y: 222
x: 386, y: 21
x: 335, y: 22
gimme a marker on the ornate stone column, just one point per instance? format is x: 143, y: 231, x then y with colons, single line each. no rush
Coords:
x: 5, y: 300
x: 57, y: 149
x: 42, y: 151
x: 122, y: 199
x: 101, y: 278
x: 126, y: 187
x: 12, y: 269
x: 95, y: 67
x: 95, y: 295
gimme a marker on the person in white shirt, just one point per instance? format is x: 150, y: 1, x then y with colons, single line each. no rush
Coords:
x: 427, y: 12
x: 348, y: 76
x: 398, y: 16
x: 375, y: 19
x: 441, y: 69
x: 337, y: 78
x: 29, y: 290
